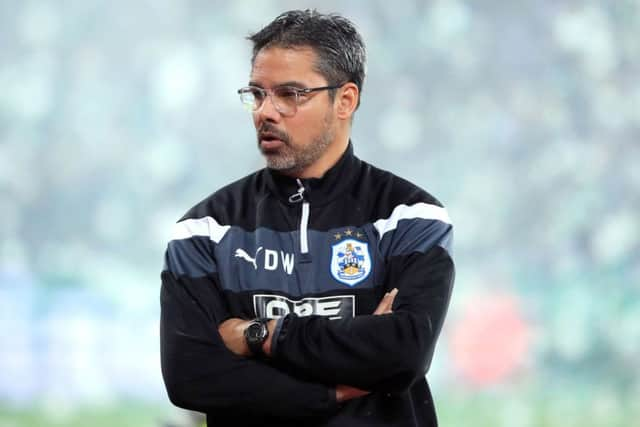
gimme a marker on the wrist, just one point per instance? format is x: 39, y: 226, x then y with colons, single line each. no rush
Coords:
x: 266, y: 346
x: 240, y: 327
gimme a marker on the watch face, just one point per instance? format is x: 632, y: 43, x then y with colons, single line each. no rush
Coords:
x: 255, y: 331
x: 255, y: 335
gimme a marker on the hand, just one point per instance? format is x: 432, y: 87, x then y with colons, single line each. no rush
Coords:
x: 346, y: 392
x: 386, y: 303
x: 232, y: 333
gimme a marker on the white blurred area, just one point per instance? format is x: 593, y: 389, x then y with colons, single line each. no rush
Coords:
x: 523, y: 118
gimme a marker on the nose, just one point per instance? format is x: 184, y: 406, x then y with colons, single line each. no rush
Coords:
x: 268, y: 111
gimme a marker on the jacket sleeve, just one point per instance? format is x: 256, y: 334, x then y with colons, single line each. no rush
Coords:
x: 199, y: 372
x: 385, y: 352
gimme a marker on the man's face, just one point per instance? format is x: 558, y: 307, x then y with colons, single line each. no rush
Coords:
x: 294, y: 142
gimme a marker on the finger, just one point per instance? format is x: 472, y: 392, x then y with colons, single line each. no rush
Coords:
x: 384, y: 307
x: 345, y: 392
x: 392, y: 296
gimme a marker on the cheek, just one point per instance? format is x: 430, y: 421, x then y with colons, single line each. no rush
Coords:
x: 299, y: 131
x: 304, y: 127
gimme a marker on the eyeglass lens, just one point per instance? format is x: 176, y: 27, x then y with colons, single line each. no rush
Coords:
x: 285, y: 99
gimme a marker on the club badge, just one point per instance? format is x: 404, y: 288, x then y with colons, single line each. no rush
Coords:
x: 350, y: 261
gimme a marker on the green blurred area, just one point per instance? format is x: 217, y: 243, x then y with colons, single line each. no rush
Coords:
x: 526, y: 408
x: 522, y: 407
x: 121, y: 415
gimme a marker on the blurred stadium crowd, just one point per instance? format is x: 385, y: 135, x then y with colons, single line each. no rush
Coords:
x: 523, y: 118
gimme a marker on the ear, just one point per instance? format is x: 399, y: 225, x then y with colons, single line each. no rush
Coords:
x: 347, y: 100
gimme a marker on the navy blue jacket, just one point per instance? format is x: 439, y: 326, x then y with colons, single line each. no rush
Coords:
x: 320, y: 253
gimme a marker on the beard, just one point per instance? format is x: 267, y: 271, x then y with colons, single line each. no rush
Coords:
x: 292, y: 157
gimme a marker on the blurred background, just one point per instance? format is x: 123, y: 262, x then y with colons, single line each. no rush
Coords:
x: 522, y: 117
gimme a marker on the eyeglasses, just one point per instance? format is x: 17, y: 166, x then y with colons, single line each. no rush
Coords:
x: 285, y: 99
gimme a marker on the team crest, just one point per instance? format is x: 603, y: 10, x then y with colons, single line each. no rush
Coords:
x: 350, y: 261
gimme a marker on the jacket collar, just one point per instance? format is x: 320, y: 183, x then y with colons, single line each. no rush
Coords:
x: 317, y: 190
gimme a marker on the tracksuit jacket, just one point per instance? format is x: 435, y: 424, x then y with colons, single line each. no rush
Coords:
x: 317, y: 254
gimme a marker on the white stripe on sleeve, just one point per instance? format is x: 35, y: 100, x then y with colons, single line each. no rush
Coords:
x: 419, y: 210
x: 206, y: 226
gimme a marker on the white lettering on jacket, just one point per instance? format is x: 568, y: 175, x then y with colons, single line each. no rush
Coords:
x: 275, y: 306
x: 271, y: 259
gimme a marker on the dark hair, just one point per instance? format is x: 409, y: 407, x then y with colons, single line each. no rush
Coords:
x: 335, y: 40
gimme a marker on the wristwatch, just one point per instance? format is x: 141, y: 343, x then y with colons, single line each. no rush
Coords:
x: 255, y: 335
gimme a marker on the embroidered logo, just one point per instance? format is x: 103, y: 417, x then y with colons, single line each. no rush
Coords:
x: 241, y: 253
x: 350, y: 261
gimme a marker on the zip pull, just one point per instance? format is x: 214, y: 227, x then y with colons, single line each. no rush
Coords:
x: 299, y: 195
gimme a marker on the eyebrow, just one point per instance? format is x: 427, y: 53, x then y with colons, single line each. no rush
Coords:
x: 293, y: 83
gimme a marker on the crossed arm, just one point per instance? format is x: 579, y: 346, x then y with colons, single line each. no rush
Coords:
x: 319, y: 362
x: 232, y: 333
x: 201, y: 374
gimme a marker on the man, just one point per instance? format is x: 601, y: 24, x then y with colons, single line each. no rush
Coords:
x: 312, y: 292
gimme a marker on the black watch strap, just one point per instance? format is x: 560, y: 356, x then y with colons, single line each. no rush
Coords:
x: 255, y: 334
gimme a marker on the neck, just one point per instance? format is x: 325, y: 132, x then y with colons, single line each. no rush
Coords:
x: 317, y: 169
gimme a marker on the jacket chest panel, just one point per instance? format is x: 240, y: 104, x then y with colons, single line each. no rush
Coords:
x: 267, y: 260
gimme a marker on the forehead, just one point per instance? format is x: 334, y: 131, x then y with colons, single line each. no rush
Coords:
x: 276, y: 65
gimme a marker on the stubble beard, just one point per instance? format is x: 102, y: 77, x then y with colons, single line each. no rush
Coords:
x: 291, y: 158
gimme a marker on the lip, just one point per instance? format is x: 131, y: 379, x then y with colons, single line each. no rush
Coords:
x: 271, y: 144
x: 270, y: 140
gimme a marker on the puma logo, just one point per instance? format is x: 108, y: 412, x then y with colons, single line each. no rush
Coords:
x: 241, y: 253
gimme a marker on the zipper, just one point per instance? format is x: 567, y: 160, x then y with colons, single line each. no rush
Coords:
x: 298, y: 197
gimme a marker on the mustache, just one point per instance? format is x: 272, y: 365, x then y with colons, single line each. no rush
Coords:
x: 269, y: 130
